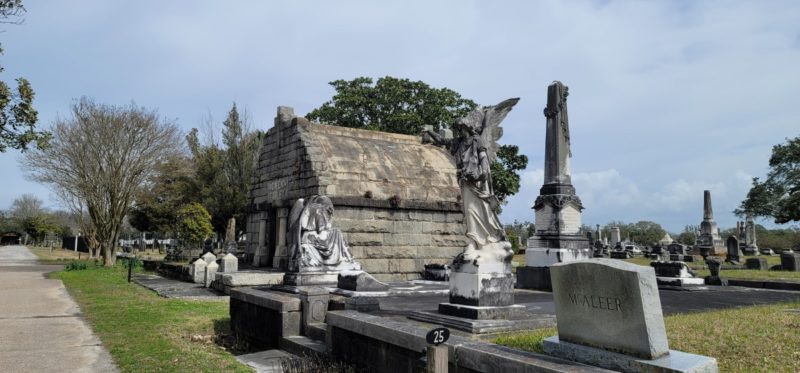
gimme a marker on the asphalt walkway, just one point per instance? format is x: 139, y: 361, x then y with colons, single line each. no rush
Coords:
x: 41, y: 327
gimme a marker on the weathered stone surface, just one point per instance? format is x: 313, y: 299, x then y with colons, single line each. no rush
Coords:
x: 250, y: 278
x: 482, y: 289
x: 262, y: 318
x: 790, y: 262
x: 229, y: 263
x: 314, y: 302
x: 210, y: 275
x: 620, y: 313
x: 436, y: 272
x: 672, y: 269
x: 757, y: 264
x: 209, y: 257
x: 359, y: 281
x: 198, y: 271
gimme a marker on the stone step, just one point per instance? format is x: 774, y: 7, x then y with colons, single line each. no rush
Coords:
x: 265, y: 361
x: 317, y: 331
x: 302, y: 346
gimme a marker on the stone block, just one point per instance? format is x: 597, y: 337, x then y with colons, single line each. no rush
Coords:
x: 359, y: 281
x: 404, y: 265
x: 534, y: 278
x: 198, y: 271
x: 436, y: 272
x: 757, y: 264
x: 790, y: 262
x: 406, y: 239
x: 229, y: 263
x: 314, y: 302
x: 438, y: 252
x: 621, y: 313
x: 389, y: 252
x: 481, y: 289
x: 375, y: 265
x: 364, y: 239
x: 210, y: 275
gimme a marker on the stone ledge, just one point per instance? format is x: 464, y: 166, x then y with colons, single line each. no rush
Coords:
x: 675, y: 361
x: 356, y: 201
x: 280, y: 302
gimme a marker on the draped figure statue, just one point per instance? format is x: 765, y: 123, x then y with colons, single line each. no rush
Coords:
x: 313, y: 243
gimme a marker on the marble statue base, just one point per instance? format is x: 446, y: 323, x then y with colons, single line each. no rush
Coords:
x: 546, y: 250
x: 311, y: 278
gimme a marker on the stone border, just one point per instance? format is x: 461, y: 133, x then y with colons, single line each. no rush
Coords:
x: 398, y: 204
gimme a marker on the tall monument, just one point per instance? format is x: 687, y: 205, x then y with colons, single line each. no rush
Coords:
x: 558, y: 209
x: 751, y: 248
x: 709, y: 242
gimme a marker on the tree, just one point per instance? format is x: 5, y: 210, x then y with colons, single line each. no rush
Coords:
x: 391, y: 105
x: 778, y: 196
x: 224, y: 172
x: 99, y: 156
x: 687, y: 238
x: 194, y: 224
x: 157, y: 202
x: 17, y: 116
x: 30, y: 216
x: 404, y: 106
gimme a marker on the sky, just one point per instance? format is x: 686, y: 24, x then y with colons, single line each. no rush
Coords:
x: 667, y: 98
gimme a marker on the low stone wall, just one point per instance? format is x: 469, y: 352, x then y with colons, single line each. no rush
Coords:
x: 379, y: 344
x: 263, y: 317
x: 175, y: 270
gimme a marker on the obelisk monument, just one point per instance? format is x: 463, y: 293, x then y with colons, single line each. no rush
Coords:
x: 558, y: 208
x: 709, y: 242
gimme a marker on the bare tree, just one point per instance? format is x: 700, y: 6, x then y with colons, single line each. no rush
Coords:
x: 100, y: 155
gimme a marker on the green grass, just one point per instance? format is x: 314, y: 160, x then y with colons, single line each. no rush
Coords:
x: 57, y: 255
x: 148, y: 333
x: 746, y: 339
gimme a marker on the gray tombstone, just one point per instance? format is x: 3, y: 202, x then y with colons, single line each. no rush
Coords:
x: 622, y: 313
x: 211, y: 271
x: 757, y: 264
x: 790, y: 262
x: 198, y: 271
x: 734, y: 254
x: 229, y: 263
x: 615, y: 323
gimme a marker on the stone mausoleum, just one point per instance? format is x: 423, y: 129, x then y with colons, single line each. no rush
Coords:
x: 396, y: 200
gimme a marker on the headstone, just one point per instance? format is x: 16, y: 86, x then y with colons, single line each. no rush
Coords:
x: 198, y: 271
x: 615, y: 236
x: 734, y: 254
x: 209, y: 257
x: 714, y: 264
x: 790, y: 262
x: 750, y: 235
x: 616, y: 323
x: 211, y: 271
x: 558, y: 208
x: 622, y: 313
x: 672, y: 269
x: 229, y: 263
x: 757, y: 264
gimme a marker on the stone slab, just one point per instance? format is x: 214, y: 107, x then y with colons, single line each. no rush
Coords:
x: 277, y: 301
x: 481, y: 312
x: 620, y: 313
x: 310, y: 278
x: 268, y: 361
x: 679, y: 281
x: 482, y: 326
x: 359, y: 281
x: 759, y: 264
x: 672, y: 362
x: 250, y: 278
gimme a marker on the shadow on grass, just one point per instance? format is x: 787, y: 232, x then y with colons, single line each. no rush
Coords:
x: 225, y: 338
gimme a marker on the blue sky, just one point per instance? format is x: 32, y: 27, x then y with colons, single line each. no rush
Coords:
x: 666, y: 98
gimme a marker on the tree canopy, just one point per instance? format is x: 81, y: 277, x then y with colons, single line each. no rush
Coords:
x: 778, y: 196
x: 405, y: 106
x: 99, y: 157
x: 17, y: 116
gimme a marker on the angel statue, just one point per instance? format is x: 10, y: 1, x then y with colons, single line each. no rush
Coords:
x: 474, y: 150
x: 313, y: 243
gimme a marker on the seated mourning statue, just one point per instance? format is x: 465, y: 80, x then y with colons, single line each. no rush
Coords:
x: 314, y: 245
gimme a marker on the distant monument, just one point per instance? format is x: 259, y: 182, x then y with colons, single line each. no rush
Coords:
x: 751, y: 248
x: 231, y: 245
x: 734, y: 253
x: 558, y: 209
x: 709, y: 241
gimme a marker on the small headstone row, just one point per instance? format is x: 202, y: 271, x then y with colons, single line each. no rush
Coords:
x: 203, y: 270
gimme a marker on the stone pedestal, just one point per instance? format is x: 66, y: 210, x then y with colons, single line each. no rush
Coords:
x: 311, y: 278
x: 546, y: 250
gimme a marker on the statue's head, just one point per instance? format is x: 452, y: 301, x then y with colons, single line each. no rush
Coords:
x: 470, y: 124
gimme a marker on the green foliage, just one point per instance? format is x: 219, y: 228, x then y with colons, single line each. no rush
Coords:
x: 505, y: 179
x: 76, y: 265
x: 158, y: 202
x: 778, y: 196
x: 643, y: 232
x: 404, y: 106
x: 223, y: 173
x: 17, y: 116
x: 391, y: 105
x: 687, y: 238
x: 194, y: 224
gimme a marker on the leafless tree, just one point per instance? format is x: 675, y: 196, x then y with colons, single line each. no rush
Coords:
x: 100, y: 155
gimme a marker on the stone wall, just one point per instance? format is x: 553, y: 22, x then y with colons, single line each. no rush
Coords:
x: 396, y: 200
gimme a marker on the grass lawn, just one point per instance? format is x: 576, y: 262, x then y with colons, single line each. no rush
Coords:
x: 148, y: 333
x: 57, y: 255
x: 746, y: 339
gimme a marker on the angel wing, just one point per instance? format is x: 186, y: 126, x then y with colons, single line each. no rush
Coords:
x: 491, y: 132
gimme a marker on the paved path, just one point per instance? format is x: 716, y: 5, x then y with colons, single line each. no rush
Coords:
x: 41, y: 328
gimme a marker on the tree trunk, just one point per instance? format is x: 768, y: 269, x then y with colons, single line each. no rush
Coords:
x: 109, y: 256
